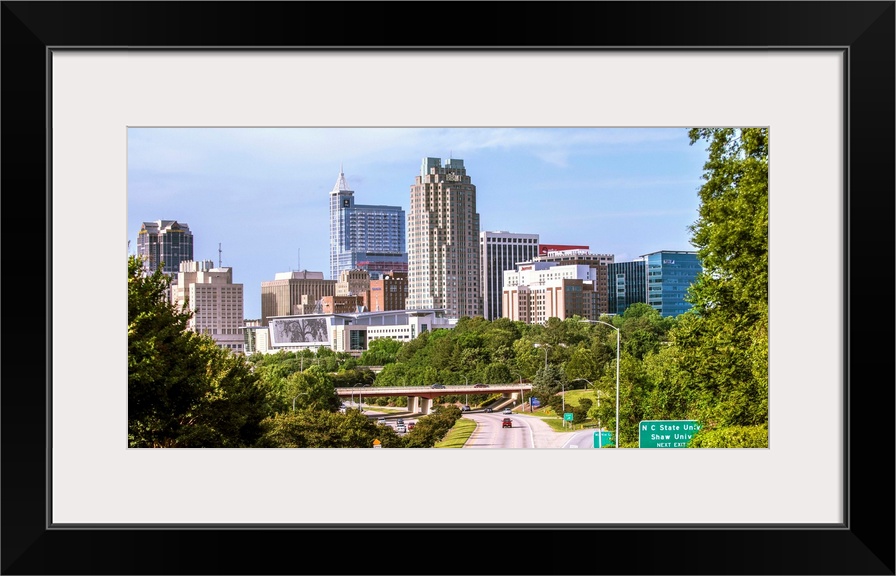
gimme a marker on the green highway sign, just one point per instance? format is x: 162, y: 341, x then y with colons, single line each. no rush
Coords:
x: 603, y: 438
x: 567, y: 416
x: 666, y: 433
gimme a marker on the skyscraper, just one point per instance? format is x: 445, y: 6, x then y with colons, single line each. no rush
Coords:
x: 365, y: 237
x: 166, y: 243
x: 670, y: 274
x: 215, y: 301
x: 627, y: 284
x: 443, y: 241
x: 500, y: 251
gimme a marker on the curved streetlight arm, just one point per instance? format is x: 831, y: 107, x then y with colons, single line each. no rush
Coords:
x: 296, y: 396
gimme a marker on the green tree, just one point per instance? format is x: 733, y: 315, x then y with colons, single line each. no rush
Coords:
x: 312, y: 389
x: 582, y: 363
x: 183, y: 391
x: 643, y: 330
x: 321, y: 429
x: 433, y: 428
x: 718, y: 357
x: 380, y: 352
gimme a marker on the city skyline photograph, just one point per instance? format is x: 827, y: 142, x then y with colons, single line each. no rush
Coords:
x: 427, y: 315
x: 256, y: 199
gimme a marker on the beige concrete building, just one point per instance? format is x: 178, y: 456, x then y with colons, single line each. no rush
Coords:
x: 537, y: 291
x: 280, y: 296
x: 215, y: 302
x: 599, y: 262
x: 353, y: 282
x: 443, y: 241
x: 341, y: 304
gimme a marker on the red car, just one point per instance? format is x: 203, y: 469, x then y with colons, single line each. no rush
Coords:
x: 507, y: 423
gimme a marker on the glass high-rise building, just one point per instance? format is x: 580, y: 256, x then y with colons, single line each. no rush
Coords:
x: 443, y: 241
x: 627, y: 284
x: 165, y: 243
x: 364, y: 237
x: 500, y: 251
x: 669, y: 275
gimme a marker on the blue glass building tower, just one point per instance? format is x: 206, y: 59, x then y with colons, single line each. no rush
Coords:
x: 669, y: 275
x: 365, y: 237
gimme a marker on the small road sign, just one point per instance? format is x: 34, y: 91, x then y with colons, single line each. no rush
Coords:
x: 603, y: 438
x: 567, y: 416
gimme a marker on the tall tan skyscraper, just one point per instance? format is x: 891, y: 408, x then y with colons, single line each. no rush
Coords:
x: 443, y: 240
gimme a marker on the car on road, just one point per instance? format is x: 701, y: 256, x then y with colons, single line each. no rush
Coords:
x: 480, y: 385
x: 438, y: 385
x: 381, y: 420
x: 508, y: 411
x: 489, y: 410
x: 401, y: 428
x: 464, y: 408
x: 507, y: 423
x: 411, y: 425
x: 400, y: 421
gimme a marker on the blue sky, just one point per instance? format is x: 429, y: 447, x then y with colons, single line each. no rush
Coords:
x: 262, y: 193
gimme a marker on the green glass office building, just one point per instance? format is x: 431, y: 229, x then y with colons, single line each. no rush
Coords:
x: 669, y: 275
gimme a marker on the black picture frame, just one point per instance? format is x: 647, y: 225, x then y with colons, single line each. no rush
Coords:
x: 864, y: 544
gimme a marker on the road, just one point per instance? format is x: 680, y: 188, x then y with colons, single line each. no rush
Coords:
x: 527, y: 432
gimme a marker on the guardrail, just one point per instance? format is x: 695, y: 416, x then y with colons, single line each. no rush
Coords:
x: 448, y: 389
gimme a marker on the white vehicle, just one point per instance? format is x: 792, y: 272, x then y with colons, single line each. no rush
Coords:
x: 381, y: 420
x: 401, y: 428
x: 508, y: 411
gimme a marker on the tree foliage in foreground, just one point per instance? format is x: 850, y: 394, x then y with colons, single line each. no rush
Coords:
x: 183, y: 391
x: 718, y: 364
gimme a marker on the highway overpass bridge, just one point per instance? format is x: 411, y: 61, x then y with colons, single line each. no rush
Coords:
x: 420, y: 398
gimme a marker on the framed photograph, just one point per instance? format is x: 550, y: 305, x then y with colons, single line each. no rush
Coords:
x: 77, y: 75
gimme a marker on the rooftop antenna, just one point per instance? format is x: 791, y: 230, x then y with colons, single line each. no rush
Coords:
x: 299, y: 260
x: 219, y: 255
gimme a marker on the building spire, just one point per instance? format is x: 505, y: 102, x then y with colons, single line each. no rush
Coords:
x: 341, y: 185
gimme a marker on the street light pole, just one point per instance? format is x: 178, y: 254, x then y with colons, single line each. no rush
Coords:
x: 600, y: 439
x: 616, y: 443
x: 520, y: 374
x: 545, y: 346
x: 563, y: 400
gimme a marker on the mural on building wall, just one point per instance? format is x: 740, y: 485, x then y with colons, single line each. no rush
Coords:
x: 299, y: 330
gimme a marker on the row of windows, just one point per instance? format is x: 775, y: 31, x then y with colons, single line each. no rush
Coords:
x: 493, y: 240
